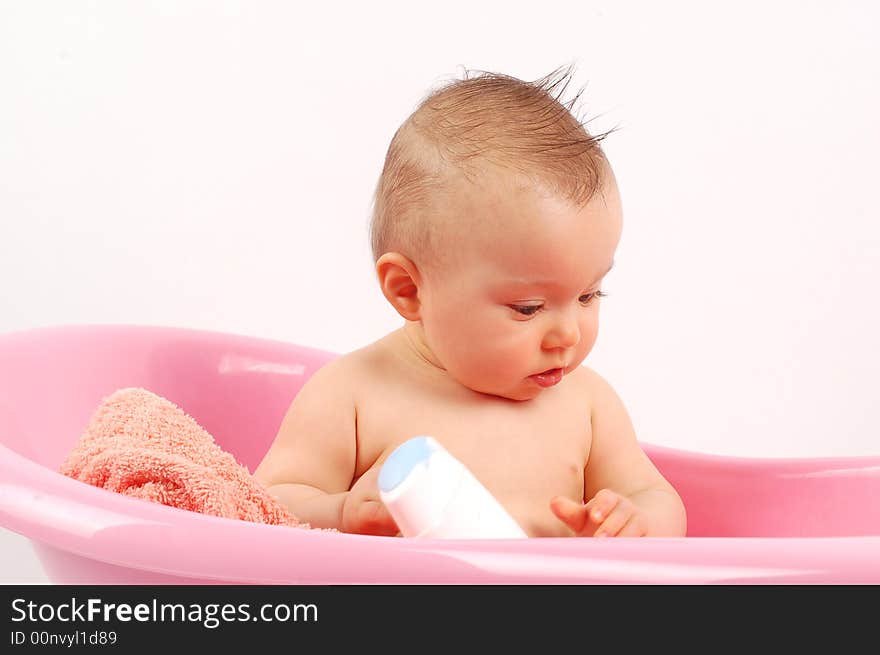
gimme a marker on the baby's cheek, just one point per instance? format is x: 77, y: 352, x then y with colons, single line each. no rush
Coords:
x: 514, y: 354
x: 589, y: 334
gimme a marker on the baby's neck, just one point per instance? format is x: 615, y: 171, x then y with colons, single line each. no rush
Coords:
x: 410, y: 344
x: 409, y: 347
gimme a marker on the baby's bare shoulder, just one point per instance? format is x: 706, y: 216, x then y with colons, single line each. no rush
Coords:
x: 372, y: 354
x: 584, y: 380
x: 333, y: 388
x: 589, y: 380
x: 334, y: 375
x: 357, y: 369
x: 590, y: 386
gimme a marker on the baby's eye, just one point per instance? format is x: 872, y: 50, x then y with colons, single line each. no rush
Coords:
x: 526, y: 310
x: 587, y: 298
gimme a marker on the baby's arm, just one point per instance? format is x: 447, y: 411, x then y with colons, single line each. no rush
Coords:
x: 627, y: 494
x: 311, y: 463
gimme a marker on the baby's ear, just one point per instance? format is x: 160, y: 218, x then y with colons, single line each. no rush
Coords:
x: 399, y: 279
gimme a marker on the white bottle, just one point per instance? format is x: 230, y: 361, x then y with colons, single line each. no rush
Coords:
x: 429, y: 493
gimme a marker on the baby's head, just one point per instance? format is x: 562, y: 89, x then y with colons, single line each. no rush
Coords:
x: 495, y: 219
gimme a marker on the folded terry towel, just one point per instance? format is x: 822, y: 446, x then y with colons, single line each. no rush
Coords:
x: 142, y: 445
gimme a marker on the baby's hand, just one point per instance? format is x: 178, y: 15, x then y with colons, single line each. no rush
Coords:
x: 607, y: 514
x: 363, y: 512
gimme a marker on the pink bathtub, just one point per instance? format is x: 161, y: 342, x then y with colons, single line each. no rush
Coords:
x: 749, y: 520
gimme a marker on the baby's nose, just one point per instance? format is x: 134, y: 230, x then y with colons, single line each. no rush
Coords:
x: 564, y: 333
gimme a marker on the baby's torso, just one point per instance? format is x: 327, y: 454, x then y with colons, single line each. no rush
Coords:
x: 525, y: 453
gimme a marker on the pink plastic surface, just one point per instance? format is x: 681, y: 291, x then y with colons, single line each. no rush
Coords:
x: 750, y: 520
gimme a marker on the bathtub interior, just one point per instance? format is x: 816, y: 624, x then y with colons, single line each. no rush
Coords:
x: 239, y: 388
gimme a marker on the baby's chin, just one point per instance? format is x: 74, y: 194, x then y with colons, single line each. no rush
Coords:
x: 518, y: 393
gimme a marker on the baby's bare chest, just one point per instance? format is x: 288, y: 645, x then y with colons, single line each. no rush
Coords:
x: 524, y: 453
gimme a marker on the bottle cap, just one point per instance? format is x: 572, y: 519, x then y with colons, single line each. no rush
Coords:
x: 417, y: 483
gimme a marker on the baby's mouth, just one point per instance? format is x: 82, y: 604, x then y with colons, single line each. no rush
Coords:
x: 549, y: 377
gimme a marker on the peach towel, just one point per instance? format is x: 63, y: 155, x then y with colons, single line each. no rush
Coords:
x: 142, y: 445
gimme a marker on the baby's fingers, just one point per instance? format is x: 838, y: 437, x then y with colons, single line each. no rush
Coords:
x: 573, y: 514
x: 601, y: 506
x: 614, y: 523
x: 635, y: 527
x: 372, y: 517
x: 606, y: 506
x: 376, y: 518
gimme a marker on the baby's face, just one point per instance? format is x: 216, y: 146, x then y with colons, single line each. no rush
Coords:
x: 519, y: 295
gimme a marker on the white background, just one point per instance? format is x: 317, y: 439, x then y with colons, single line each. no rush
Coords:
x: 211, y: 165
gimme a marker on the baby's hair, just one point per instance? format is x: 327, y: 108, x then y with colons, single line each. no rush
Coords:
x: 487, y: 120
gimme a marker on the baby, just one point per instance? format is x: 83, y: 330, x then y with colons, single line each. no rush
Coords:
x: 495, y: 219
